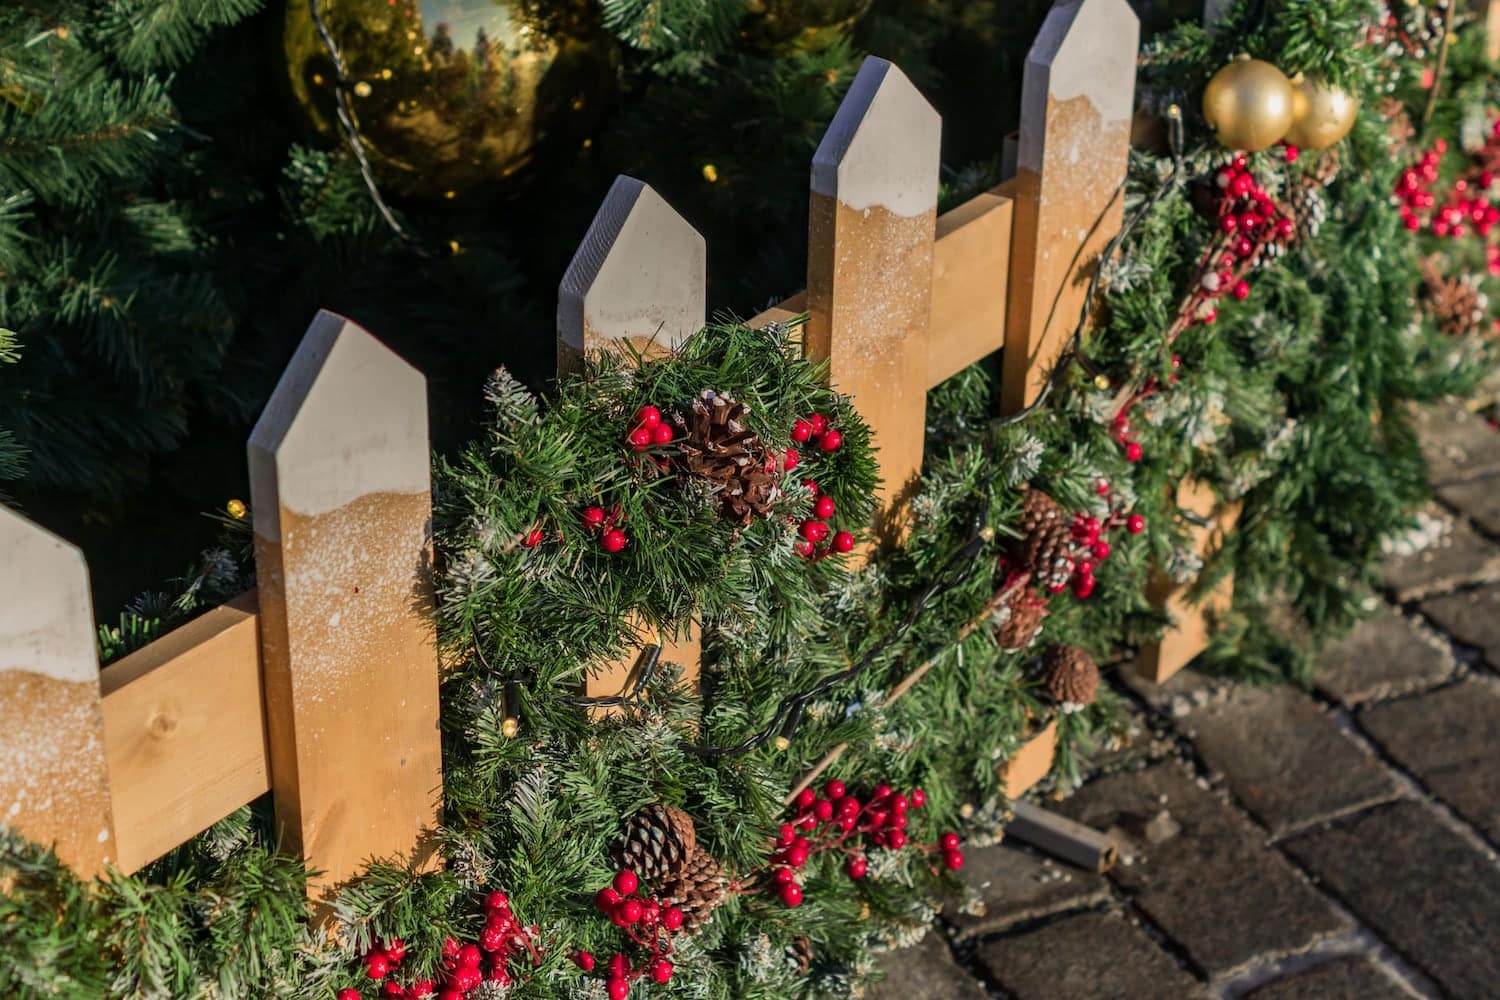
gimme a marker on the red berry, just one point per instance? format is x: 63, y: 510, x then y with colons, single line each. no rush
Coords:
x: 661, y: 434
x: 790, y: 460
x: 469, y: 957
x: 626, y: 882
x: 1132, y: 451
x: 613, y: 540
x: 802, y: 547
x: 835, y: 789
x: 899, y: 804
x: 533, y: 538
x: 1102, y: 487
x: 630, y: 911
x: 1100, y: 550
x: 831, y: 440
x: 639, y: 439
x: 672, y: 918
x: 619, y: 965
x: 584, y: 961
x: 802, y: 431
x: 856, y: 867
x: 421, y: 988
x: 377, y: 966
x: 823, y: 810
x: 1285, y: 227
x: 818, y: 421
x: 1208, y: 315
x: 948, y: 841
x: 843, y: 542
x: 593, y: 517
x: 497, y: 901
x: 349, y: 993
x: 848, y: 807
x: 619, y: 989
x: 1135, y: 524
x: 395, y: 949
x: 806, y: 798
x: 954, y: 860
x: 796, y: 856
x: 648, y: 416
x: 791, y: 894
x: 606, y: 899
x: 784, y: 875
x: 661, y: 970
x: 1241, y: 290
x: 897, y: 821
x: 823, y: 507
x: 1291, y: 153
x: 492, y: 938
x: 1083, y: 587
x: 814, y: 530
x: 1229, y: 223
x: 788, y: 834
x: 895, y: 839
x: 918, y: 798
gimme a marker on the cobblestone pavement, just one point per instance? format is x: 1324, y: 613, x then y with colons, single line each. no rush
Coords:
x: 1279, y: 844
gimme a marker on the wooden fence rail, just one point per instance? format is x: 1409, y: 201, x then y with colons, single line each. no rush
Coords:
x: 322, y: 686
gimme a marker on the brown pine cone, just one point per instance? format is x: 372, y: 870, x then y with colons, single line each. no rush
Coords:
x: 800, y: 951
x: 718, y: 448
x: 1020, y: 619
x: 1070, y: 677
x: 1046, y: 546
x: 698, y: 890
x: 657, y: 843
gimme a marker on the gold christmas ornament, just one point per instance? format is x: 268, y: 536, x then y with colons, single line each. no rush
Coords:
x: 1322, y: 113
x: 450, y: 94
x: 1249, y: 104
x: 236, y: 509
x: 785, y: 26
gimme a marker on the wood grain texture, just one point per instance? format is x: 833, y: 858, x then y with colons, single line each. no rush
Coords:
x: 1188, y: 634
x: 1076, y: 102
x: 340, y: 490
x: 871, y: 232
x: 639, y: 276
x: 184, y: 731
x: 1031, y: 763
x: 970, y: 281
x: 54, y: 784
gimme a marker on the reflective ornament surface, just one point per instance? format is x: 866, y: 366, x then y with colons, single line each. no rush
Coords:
x: 1249, y: 104
x: 1322, y: 114
x: 450, y: 94
x: 799, y: 25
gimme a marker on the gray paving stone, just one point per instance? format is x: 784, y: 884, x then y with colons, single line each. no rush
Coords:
x: 1478, y: 498
x: 1350, y: 978
x: 1284, y: 758
x: 1424, y: 889
x: 1442, y: 553
x: 1384, y: 656
x: 1458, y: 444
x: 1447, y: 739
x: 1014, y: 883
x: 925, y: 972
x: 1471, y: 617
x: 1202, y: 872
x: 1093, y: 955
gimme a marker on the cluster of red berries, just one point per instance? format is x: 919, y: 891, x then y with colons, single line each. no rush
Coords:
x: 1467, y: 208
x: 502, y: 940
x: 648, y: 922
x: 606, y: 525
x: 1248, y: 221
x: 838, y: 820
x: 1120, y: 428
x: 1088, y: 534
x: 816, y: 428
x: 814, y: 530
x: 648, y: 428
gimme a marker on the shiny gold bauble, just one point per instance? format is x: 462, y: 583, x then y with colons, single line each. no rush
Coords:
x: 1249, y: 104
x: 450, y: 94
x: 1322, y: 114
x: 799, y: 25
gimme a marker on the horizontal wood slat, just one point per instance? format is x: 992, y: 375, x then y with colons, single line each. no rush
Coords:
x: 184, y: 731
x: 970, y: 279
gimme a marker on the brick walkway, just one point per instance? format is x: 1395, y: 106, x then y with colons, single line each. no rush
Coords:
x: 1278, y: 844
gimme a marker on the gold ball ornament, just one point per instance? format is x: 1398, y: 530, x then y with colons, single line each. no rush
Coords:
x: 448, y: 95
x: 1322, y: 113
x: 236, y: 509
x: 785, y: 26
x: 1249, y: 104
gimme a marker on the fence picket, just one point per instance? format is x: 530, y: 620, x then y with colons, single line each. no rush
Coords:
x: 54, y: 783
x: 871, y: 233
x: 1077, y: 98
x: 341, y: 497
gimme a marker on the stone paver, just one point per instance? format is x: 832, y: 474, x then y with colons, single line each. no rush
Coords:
x: 1351, y: 978
x: 1447, y: 739
x: 1284, y: 759
x: 1451, y: 554
x: 1471, y: 617
x: 1094, y: 955
x: 1423, y: 888
x: 1458, y: 444
x: 925, y: 972
x: 1201, y: 872
x: 1478, y: 498
x: 1015, y: 884
x: 1383, y: 656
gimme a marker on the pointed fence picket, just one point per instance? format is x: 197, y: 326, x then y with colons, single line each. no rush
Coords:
x: 321, y: 687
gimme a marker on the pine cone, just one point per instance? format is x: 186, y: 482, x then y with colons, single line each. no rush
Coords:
x: 698, y: 889
x: 1046, y: 546
x: 719, y: 448
x: 657, y: 843
x: 1020, y: 619
x: 1070, y: 677
x: 800, y: 951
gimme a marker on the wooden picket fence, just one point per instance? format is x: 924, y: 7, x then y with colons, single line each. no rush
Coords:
x: 321, y: 687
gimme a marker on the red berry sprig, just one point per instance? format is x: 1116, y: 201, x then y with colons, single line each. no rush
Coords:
x: 648, y: 428
x: 606, y: 525
x: 814, y: 530
x: 650, y: 924
x: 465, y: 965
